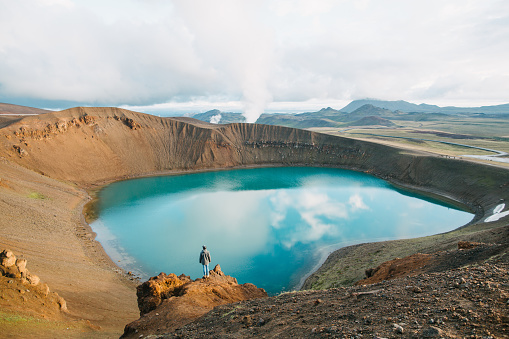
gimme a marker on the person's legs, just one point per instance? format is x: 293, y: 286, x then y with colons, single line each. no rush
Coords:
x: 205, y: 270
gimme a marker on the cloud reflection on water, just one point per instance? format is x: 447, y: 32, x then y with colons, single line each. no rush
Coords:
x: 356, y: 202
x: 267, y: 236
x: 318, y: 215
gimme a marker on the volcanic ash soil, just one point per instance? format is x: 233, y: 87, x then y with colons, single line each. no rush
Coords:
x: 468, y: 302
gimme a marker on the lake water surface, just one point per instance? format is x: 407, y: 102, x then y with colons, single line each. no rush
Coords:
x: 267, y: 226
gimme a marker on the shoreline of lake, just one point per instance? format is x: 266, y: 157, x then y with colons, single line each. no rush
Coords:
x: 122, y: 257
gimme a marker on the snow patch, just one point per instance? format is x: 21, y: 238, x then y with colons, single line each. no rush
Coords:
x: 497, y: 213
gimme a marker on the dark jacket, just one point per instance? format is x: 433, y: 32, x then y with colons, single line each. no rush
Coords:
x: 205, y: 257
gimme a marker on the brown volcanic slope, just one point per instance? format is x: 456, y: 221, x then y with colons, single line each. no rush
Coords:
x: 47, y: 160
x: 466, y: 302
x: 10, y: 113
x: 21, y: 110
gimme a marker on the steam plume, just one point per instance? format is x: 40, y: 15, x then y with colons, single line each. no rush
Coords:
x: 232, y: 39
x: 215, y: 119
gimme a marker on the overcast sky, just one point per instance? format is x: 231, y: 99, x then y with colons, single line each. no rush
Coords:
x: 252, y: 55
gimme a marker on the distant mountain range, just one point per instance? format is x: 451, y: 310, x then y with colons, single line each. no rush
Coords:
x: 408, y: 107
x: 357, y: 113
x: 216, y: 116
x: 361, y: 113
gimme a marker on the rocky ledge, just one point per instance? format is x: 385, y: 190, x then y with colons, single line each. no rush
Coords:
x: 167, y: 302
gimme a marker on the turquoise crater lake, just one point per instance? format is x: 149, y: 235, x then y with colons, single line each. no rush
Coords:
x: 267, y: 226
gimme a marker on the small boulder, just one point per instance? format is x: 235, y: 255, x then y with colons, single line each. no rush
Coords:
x: 398, y: 329
x: 415, y: 289
x: 32, y: 279
x: 11, y: 272
x: 332, y: 329
x: 62, y: 304
x: 371, y: 272
x: 7, y: 258
x: 21, y: 151
x: 131, y: 123
x: 247, y: 320
x: 44, y: 289
x: 21, y: 265
x: 432, y: 332
x: 217, y: 270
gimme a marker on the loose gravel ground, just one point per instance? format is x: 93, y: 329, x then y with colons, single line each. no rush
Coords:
x: 469, y: 302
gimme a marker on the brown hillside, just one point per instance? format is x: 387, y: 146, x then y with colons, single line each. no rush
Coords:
x: 47, y: 160
x: 11, y: 113
x: 21, y: 110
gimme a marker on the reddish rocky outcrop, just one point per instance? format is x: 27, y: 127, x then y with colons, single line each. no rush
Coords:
x: 152, y: 292
x: 468, y: 253
x: 167, y: 302
x: 466, y: 245
x: 395, y: 268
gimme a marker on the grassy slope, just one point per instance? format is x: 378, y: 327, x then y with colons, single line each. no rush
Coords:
x: 347, y: 265
x: 481, y: 132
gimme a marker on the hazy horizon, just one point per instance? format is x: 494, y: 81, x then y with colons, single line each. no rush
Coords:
x: 193, y: 108
x: 252, y: 56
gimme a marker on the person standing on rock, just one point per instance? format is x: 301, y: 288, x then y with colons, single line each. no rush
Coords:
x: 205, y: 260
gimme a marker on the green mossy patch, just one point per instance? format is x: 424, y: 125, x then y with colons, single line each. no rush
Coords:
x: 14, y: 325
x: 15, y: 318
x: 37, y: 195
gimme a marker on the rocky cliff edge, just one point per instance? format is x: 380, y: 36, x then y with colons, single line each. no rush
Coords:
x: 167, y: 302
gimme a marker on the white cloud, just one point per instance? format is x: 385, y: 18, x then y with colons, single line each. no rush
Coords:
x: 357, y: 203
x: 62, y: 53
x: 416, y: 204
x: 310, y: 199
x: 136, y: 52
x: 318, y: 212
x: 280, y: 201
x: 63, y: 3
x: 317, y: 228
